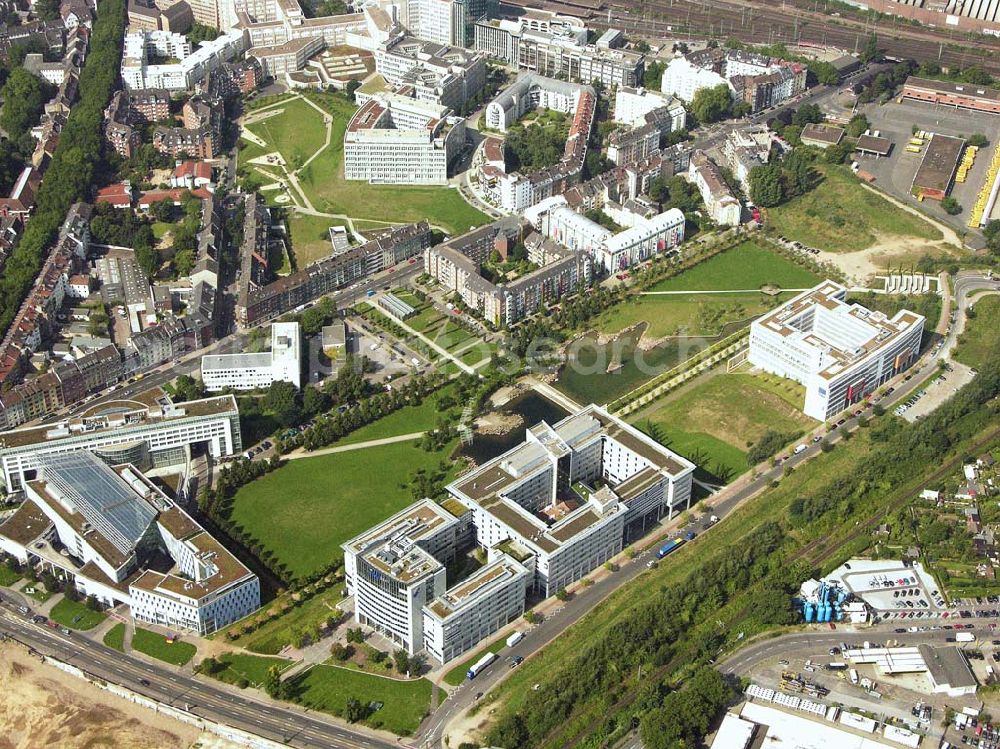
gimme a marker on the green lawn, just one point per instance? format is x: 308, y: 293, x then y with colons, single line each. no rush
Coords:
x: 746, y: 266
x: 404, y: 421
x: 405, y: 703
x: 980, y: 340
x: 156, y: 646
x: 115, y: 637
x: 460, y: 673
x: 297, y: 132
x: 310, y: 239
x: 36, y: 591
x: 329, y: 192
x: 304, y: 510
x: 253, y: 668
x: 75, y: 615
x: 715, y: 421
x: 160, y: 228
x: 690, y: 314
x: 271, y: 637
x: 841, y: 216
x: 7, y: 576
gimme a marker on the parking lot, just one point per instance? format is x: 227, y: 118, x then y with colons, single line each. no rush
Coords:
x: 894, y: 173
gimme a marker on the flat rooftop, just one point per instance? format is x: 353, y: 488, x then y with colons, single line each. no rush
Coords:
x: 481, y: 583
x: 954, y: 89
x: 940, y: 161
x: 785, y: 729
x: 217, y: 569
x: 947, y: 665
x: 874, y: 144
x: 420, y: 520
x: 26, y: 524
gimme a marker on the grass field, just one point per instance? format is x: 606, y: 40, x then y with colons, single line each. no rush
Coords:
x: 8, y: 576
x: 271, y: 637
x: 309, y: 237
x: 75, y: 615
x: 404, y: 421
x: 841, y: 216
x: 115, y: 637
x: 980, y: 340
x: 714, y: 421
x: 328, y: 688
x: 688, y: 314
x: 36, y: 591
x: 746, y: 266
x: 328, y: 190
x: 156, y: 646
x: 304, y: 510
x: 253, y: 668
x: 296, y: 133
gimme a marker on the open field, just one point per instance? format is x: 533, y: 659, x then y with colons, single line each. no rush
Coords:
x: 980, y: 340
x: 324, y: 182
x: 718, y: 418
x: 309, y: 238
x: 840, y: 216
x: 328, y: 688
x: 685, y: 315
x: 238, y: 667
x: 746, y: 266
x: 304, y: 510
x: 75, y: 615
x: 156, y: 646
x: 404, y: 421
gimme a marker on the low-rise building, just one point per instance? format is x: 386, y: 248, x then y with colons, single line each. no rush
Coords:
x: 841, y: 352
x: 821, y: 135
x: 959, y: 95
x: 283, y: 363
x: 723, y: 206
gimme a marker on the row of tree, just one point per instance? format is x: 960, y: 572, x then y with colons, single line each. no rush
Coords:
x: 71, y: 173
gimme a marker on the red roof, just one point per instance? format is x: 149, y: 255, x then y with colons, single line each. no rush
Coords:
x: 196, y: 169
x: 174, y: 196
x: 117, y: 194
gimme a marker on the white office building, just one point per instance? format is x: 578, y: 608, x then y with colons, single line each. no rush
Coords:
x: 393, y: 139
x: 467, y: 613
x: 633, y: 104
x: 283, y: 363
x: 147, y: 431
x: 683, y: 79
x: 191, y: 67
x: 109, y: 523
x: 841, y: 352
x: 566, y: 495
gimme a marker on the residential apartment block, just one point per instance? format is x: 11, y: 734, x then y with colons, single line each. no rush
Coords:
x: 841, y: 352
x: 283, y: 363
x: 110, y: 522
x: 192, y: 66
x: 723, y: 206
x: 394, y: 139
x: 757, y: 80
x: 147, y: 431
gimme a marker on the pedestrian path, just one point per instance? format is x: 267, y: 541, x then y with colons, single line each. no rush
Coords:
x: 297, y: 454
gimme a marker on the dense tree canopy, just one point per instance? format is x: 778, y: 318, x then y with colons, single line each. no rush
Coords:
x: 24, y: 96
x: 765, y: 185
x: 712, y: 104
x: 534, y: 147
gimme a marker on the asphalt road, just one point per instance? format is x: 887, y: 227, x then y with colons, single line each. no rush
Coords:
x: 274, y: 721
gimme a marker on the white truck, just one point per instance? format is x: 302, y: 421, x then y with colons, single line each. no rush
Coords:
x: 514, y: 639
x: 964, y: 637
x: 800, y: 449
x: 854, y: 676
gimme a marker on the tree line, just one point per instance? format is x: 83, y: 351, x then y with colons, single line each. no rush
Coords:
x: 76, y: 162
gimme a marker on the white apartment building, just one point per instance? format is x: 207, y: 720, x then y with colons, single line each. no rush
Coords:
x: 395, y: 568
x: 442, y: 75
x: 682, y: 79
x: 147, y: 431
x: 841, y: 352
x: 567, y: 494
x: 109, y: 522
x: 530, y: 92
x: 633, y: 104
x: 193, y: 66
x: 471, y: 611
x: 758, y: 80
x: 611, y: 252
x: 393, y: 139
x: 283, y: 363
x: 722, y: 205
x: 501, y: 38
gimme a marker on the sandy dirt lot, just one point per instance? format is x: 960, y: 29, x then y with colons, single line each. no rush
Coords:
x: 40, y: 706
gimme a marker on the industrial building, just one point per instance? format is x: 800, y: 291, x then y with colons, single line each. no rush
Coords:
x: 394, y: 139
x: 112, y: 523
x: 563, y: 501
x: 841, y: 352
x: 283, y: 363
x: 936, y: 173
x: 146, y: 431
x: 946, y: 668
x: 959, y: 95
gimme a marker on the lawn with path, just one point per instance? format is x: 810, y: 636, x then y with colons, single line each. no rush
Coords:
x: 238, y: 667
x: 270, y: 637
x: 114, y: 638
x: 297, y: 132
x: 328, y: 688
x: 839, y: 216
x: 406, y: 420
x: 304, y: 510
x: 76, y: 615
x: 714, y: 421
x: 155, y: 645
x: 980, y: 340
x: 746, y: 266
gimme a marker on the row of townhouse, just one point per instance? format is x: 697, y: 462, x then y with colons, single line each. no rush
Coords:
x: 262, y: 302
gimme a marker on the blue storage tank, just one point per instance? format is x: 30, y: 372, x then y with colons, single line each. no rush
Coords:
x: 826, y: 614
x: 819, y: 612
x: 807, y: 612
x: 840, y: 613
x: 841, y: 597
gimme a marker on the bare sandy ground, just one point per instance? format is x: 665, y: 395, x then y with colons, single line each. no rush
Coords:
x: 40, y: 706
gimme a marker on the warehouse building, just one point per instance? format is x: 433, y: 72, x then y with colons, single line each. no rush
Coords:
x: 959, y: 95
x: 147, y: 431
x: 283, y: 363
x: 936, y: 172
x: 841, y: 352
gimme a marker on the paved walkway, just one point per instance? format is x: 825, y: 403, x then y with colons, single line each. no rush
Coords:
x: 297, y: 454
x: 443, y: 352
x: 714, y: 291
x: 554, y: 395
